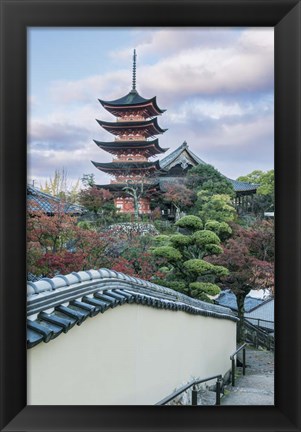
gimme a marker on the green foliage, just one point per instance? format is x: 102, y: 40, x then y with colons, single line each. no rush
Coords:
x: 168, y: 252
x: 264, y: 179
x: 165, y: 227
x: 263, y: 200
x: 122, y: 217
x: 205, y: 237
x: 175, y: 285
x: 262, y: 203
x: 164, y: 270
x: 86, y: 225
x: 59, y: 186
x: 88, y: 180
x: 216, y: 207
x: 162, y: 239
x: 206, y: 177
x: 179, y: 240
x: 220, y: 271
x: 184, y: 255
x: 197, y: 266
x: 213, y: 249
x: 204, y: 287
x: 190, y: 222
x: 208, y: 241
x: 221, y: 229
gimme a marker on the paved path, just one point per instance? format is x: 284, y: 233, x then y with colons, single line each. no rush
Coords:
x: 257, y: 386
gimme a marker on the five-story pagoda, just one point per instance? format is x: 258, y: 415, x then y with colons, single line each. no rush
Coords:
x: 135, y: 129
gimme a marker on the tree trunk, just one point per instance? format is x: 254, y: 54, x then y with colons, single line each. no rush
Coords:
x: 136, y: 207
x: 177, y: 215
x: 241, y: 310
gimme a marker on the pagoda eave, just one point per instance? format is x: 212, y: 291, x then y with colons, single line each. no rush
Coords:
x: 115, y: 147
x: 119, y: 187
x: 132, y: 101
x: 128, y: 168
x: 147, y: 128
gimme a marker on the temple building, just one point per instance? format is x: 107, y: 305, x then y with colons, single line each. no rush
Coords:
x: 135, y: 129
x: 132, y: 172
x: 174, y: 168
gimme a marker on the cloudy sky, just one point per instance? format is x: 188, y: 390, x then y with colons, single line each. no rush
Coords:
x: 217, y: 85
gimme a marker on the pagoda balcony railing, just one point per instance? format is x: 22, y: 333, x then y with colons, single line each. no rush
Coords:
x: 124, y: 180
x: 129, y: 119
x: 131, y: 159
x: 131, y: 138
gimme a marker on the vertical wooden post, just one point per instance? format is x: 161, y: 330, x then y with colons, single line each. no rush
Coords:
x: 244, y: 361
x: 194, y: 396
x: 233, y: 372
x: 218, y: 392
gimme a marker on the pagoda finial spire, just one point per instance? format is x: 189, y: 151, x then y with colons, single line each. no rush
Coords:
x: 134, y: 71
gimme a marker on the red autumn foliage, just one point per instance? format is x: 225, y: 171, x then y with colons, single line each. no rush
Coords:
x: 259, y: 239
x: 56, y: 244
x: 62, y: 262
x: 51, y: 232
x: 94, y: 198
x: 246, y: 271
x: 178, y: 195
x: 143, y: 268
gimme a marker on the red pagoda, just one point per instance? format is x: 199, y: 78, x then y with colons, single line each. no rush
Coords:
x: 135, y: 129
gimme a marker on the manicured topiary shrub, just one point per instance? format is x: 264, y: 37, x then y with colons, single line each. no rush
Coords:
x: 204, y: 287
x: 180, y: 240
x: 205, y: 237
x: 162, y: 239
x: 184, y: 255
x: 197, y: 266
x: 212, y: 249
x: 176, y: 285
x: 222, y: 229
x: 220, y: 271
x: 190, y: 222
x: 168, y: 252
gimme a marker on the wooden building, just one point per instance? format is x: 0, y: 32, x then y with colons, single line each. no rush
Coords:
x: 135, y: 128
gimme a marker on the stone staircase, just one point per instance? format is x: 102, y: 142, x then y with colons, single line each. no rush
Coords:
x: 256, y: 387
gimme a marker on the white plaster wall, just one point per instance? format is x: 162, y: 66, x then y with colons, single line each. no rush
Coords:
x: 130, y: 355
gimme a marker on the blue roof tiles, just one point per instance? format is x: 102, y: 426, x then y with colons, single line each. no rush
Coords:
x: 41, y: 201
x: 228, y: 299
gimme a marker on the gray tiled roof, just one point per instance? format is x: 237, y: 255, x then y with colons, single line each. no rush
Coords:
x: 228, y: 299
x: 238, y: 186
x: 132, y: 98
x: 264, y: 312
x: 87, y: 293
x: 176, y: 153
x: 38, y: 200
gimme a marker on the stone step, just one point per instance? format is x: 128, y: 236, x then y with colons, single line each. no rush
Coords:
x: 255, y: 389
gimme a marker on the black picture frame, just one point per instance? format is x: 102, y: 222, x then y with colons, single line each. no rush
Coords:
x: 16, y: 16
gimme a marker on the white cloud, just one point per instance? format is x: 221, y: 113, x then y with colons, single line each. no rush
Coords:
x: 217, y: 87
x: 243, y: 64
x: 172, y: 40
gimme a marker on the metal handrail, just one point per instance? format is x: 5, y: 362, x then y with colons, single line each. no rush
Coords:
x: 258, y: 320
x: 232, y: 358
x: 194, y: 390
x: 261, y: 336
